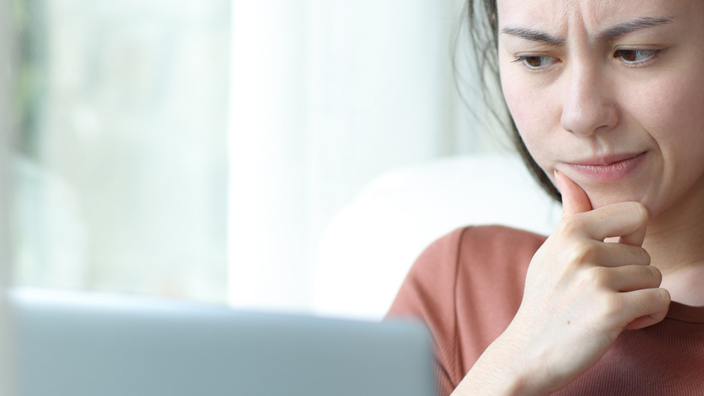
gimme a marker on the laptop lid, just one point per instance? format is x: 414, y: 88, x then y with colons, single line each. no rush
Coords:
x: 100, y: 345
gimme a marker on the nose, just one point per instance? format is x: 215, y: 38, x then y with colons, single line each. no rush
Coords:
x: 587, y: 103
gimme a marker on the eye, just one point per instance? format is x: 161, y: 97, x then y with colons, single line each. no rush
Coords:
x: 634, y: 57
x: 536, y: 62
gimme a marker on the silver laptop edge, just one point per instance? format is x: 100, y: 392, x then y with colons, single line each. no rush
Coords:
x: 84, y: 344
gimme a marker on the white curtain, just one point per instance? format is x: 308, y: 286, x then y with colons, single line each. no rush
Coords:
x: 326, y: 95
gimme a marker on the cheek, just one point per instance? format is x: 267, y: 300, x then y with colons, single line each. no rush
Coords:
x: 535, y: 114
x: 675, y: 103
x: 671, y: 111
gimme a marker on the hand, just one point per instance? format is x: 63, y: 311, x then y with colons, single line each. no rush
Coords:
x: 582, y: 292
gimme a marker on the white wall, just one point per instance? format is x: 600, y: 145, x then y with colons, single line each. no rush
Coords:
x: 327, y: 95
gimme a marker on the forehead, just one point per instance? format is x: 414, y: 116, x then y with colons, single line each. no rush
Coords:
x: 557, y: 16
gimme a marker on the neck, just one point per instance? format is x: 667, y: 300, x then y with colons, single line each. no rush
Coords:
x: 675, y: 242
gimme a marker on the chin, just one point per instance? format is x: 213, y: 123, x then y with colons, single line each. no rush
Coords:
x: 601, y: 199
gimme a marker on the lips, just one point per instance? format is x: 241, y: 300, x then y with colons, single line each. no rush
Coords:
x: 609, y: 168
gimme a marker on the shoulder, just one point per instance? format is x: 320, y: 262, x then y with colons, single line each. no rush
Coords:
x: 468, y: 282
x: 490, y: 280
x: 497, y: 235
x: 484, y: 252
x: 491, y: 253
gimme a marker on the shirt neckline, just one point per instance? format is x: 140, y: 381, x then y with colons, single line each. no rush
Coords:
x: 685, y: 313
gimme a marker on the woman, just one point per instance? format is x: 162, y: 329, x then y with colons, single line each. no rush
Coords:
x: 607, y: 97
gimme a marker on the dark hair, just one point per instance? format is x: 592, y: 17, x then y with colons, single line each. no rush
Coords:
x: 482, y: 22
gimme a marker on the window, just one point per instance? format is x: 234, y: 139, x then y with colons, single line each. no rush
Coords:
x: 121, y: 158
x: 202, y: 148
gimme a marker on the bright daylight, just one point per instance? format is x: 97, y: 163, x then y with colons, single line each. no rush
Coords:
x: 351, y: 197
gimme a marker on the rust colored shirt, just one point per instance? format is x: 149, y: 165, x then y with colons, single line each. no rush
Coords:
x: 468, y: 285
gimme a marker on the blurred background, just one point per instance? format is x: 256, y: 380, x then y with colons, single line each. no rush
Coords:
x: 199, y: 149
x: 122, y: 110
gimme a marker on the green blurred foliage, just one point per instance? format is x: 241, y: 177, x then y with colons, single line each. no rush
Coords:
x: 31, y: 74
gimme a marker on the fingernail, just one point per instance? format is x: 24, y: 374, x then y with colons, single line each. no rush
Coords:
x: 557, y: 183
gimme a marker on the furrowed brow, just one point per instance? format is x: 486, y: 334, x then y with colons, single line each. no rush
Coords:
x: 533, y: 35
x: 622, y: 29
x: 609, y: 34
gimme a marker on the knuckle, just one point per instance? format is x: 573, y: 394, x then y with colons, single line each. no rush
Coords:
x: 652, y: 299
x: 655, y: 274
x: 664, y: 297
x: 655, y: 300
x: 648, y: 277
x: 570, y: 225
x: 583, y: 252
x: 640, y: 212
x: 597, y: 277
x: 644, y: 256
x: 613, y: 305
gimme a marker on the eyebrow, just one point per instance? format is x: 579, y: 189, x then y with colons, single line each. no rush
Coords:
x: 533, y: 35
x: 611, y: 33
x: 631, y: 26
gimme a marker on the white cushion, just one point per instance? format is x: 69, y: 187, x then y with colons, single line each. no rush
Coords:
x: 371, y: 244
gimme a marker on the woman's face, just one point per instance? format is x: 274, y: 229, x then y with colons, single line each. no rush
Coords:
x: 610, y: 93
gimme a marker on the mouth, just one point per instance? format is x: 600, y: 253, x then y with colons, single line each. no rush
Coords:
x: 609, y: 168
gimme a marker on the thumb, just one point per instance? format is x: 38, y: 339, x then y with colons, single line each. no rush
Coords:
x: 574, y: 199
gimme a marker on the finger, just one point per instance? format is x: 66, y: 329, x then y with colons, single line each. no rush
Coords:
x: 574, y: 199
x: 617, y: 255
x: 644, y: 321
x: 646, y: 307
x: 632, y: 277
x: 624, y: 219
x: 637, y: 237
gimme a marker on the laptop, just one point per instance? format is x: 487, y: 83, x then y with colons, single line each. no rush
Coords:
x: 85, y: 344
